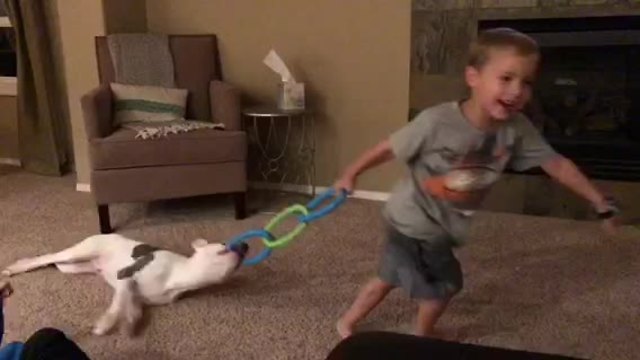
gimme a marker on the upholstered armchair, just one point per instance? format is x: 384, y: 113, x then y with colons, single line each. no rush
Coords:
x: 205, y: 161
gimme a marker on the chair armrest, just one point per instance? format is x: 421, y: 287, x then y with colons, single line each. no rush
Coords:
x: 97, y: 111
x: 225, y: 104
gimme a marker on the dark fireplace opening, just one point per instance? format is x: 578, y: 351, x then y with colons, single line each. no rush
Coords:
x: 586, y: 99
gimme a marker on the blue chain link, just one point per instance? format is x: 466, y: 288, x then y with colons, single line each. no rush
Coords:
x: 253, y: 234
x: 319, y: 200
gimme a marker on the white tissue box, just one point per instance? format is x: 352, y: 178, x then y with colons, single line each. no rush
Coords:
x: 291, y: 96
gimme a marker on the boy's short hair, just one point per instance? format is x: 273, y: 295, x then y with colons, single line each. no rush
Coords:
x: 499, y: 38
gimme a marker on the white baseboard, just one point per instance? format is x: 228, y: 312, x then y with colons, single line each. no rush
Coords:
x: 305, y: 189
x: 8, y: 85
x: 10, y: 161
x: 302, y: 189
x: 83, y: 187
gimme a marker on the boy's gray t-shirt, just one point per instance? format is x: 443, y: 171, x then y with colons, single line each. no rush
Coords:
x: 441, y: 141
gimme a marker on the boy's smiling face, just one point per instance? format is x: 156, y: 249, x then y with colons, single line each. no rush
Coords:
x: 502, y: 86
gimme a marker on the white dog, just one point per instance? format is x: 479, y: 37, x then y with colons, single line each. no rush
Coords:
x: 139, y: 273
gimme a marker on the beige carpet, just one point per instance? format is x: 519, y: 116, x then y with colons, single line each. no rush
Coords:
x: 538, y: 284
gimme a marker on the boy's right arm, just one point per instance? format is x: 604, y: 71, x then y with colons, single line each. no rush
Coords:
x: 402, y: 145
x: 373, y: 157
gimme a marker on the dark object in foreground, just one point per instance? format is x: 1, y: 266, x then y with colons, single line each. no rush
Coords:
x: 386, y: 345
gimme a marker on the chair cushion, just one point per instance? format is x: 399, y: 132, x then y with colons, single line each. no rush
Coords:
x: 205, y: 146
x: 135, y: 103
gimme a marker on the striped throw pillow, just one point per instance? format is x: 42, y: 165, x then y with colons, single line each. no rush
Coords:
x: 135, y: 103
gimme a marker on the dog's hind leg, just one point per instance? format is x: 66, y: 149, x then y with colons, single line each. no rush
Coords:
x: 84, y: 267
x: 80, y: 252
x: 120, y: 307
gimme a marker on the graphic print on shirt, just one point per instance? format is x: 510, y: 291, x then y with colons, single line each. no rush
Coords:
x: 472, y: 172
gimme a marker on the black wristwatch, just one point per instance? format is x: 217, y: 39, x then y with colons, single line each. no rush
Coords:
x: 611, y: 211
x: 606, y: 214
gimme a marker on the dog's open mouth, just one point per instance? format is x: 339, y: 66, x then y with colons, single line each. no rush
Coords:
x: 240, y: 249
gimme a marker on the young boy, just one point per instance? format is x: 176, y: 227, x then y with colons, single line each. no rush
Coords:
x: 455, y: 151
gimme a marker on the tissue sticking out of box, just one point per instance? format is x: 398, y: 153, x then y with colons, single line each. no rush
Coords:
x: 291, y: 93
x: 275, y: 63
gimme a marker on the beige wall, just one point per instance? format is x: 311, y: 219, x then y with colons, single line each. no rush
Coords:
x: 80, y: 21
x: 125, y: 15
x: 8, y: 128
x: 353, y: 56
x: 428, y: 90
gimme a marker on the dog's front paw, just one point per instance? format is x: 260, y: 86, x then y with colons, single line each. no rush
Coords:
x: 106, y: 322
x: 132, y: 316
x: 17, y: 267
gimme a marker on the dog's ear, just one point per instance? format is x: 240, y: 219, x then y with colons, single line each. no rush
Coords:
x: 199, y: 243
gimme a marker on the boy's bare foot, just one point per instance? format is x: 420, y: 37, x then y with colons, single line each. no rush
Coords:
x: 344, y: 330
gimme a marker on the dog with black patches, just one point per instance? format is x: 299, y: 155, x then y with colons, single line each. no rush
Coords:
x: 140, y: 274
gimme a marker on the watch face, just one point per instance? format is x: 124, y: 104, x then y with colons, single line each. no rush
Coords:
x: 470, y: 178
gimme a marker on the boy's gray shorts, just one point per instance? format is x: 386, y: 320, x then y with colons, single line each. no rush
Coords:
x: 424, y: 270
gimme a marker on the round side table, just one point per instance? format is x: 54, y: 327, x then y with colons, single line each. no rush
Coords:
x: 283, y: 143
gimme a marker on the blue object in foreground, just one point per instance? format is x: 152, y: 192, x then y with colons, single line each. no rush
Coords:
x: 260, y: 234
x: 12, y: 351
x: 315, y: 214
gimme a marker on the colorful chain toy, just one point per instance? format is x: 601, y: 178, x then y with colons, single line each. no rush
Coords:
x: 306, y: 215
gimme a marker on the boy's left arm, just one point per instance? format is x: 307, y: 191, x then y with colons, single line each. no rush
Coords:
x: 533, y: 150
x: 565, y: 172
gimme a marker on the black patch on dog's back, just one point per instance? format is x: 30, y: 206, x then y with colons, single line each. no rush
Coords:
x: 142, y: 250
x: 143, y: 255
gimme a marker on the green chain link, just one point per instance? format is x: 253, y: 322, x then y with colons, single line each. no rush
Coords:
x: 278, y: 219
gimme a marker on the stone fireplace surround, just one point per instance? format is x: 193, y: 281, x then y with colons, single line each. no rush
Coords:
x: 587, y: 97
x: 441, y: 32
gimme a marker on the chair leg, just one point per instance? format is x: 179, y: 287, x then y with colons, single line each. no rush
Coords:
x: 103, y: 216
x: 240, y: 199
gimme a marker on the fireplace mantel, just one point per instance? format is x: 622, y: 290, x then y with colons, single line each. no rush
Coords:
x: 442, y: 29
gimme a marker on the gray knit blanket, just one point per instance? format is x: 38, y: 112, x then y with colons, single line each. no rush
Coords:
x: 142, y: 59
x: 145, y: 59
